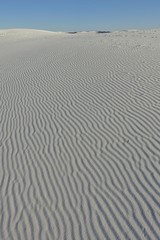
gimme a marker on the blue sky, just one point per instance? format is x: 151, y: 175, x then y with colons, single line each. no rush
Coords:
x: 77, y: 15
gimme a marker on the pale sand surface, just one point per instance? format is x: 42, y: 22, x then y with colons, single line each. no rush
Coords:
x: 79, y: 135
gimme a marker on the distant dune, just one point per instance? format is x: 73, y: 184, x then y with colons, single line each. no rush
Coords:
x: 80, y: 135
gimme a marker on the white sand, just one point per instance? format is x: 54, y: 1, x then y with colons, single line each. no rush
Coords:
x: 79, y: 135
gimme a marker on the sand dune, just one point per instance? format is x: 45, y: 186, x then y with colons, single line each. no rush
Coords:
x: 80, y: 135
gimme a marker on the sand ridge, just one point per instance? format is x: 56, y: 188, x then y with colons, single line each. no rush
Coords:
x: 80, y: 135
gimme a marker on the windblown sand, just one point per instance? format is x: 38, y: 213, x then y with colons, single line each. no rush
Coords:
x: 79, y: 135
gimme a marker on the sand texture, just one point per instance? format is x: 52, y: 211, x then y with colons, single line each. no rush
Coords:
x: 79, y: 135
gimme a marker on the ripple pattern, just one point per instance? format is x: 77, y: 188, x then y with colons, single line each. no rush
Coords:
x: 80, y: 135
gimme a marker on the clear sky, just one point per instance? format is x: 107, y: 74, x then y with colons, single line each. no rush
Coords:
x: 77, y: 15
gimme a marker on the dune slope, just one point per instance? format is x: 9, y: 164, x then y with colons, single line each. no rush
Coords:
x: 80, y: 135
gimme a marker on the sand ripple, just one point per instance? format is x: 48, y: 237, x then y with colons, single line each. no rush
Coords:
x: 80, y: 135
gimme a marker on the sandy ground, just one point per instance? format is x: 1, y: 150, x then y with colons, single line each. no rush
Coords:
x: 79, y: 135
